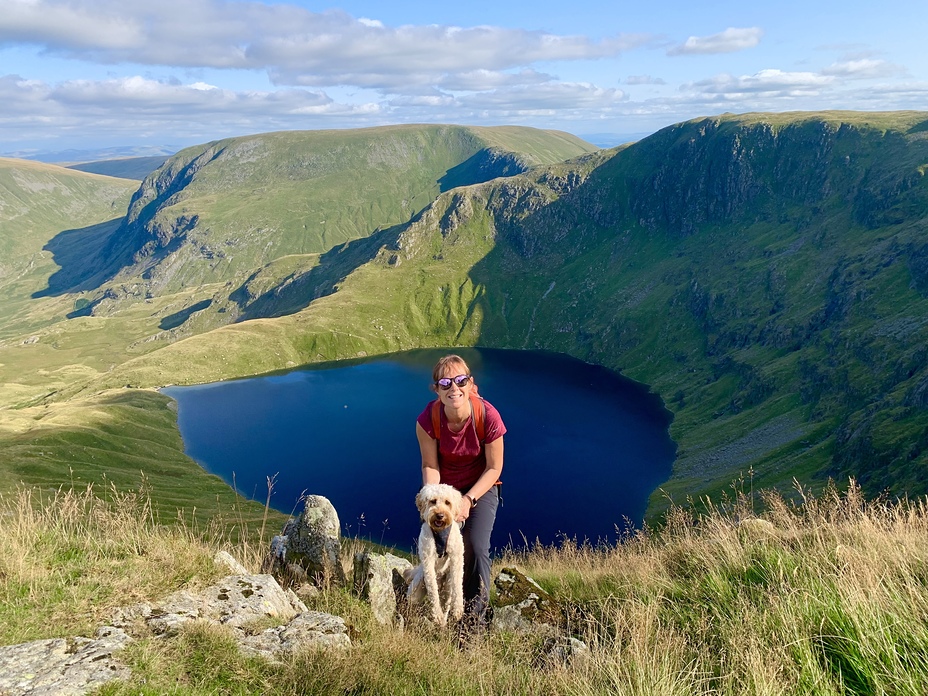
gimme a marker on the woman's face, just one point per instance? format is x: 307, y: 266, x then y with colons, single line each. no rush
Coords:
x: 455, y: 396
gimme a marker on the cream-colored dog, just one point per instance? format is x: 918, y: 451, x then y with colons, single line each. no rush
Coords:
x: 440, y: 573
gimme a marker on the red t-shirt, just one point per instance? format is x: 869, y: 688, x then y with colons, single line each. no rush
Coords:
x: 461, y: 458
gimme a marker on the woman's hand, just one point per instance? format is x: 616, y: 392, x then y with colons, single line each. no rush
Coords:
x: 467, y: 504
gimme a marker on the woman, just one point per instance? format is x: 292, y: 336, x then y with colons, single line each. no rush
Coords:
x: 456, y: 456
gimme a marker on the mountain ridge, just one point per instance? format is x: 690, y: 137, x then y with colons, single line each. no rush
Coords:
x: 765, y: 274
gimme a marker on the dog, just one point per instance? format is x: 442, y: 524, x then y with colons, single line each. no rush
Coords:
x: 440, y: 573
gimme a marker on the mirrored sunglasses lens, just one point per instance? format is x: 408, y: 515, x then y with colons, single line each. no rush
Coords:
x: 444, y: 383
x: 461, y: 380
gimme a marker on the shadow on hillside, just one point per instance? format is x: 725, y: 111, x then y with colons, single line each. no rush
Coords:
x: 300, y: 289
x: 172, y: 321
x: 479, y: 168
x: 79, y: 254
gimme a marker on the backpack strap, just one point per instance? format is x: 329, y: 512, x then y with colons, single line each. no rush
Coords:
x: 436, y: 419
x: 478, y: 409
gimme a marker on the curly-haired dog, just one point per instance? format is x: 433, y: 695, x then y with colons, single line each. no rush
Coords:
x: 440, y: 573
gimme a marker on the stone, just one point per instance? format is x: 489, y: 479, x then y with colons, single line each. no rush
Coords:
x: 522, y: 605
x: 311, y: 629
x: 563, y: 651
x: 62, y: 666
x: 225, y: 560
x: 235, y: 601
x: 308, y: 547
x: 374, y: 582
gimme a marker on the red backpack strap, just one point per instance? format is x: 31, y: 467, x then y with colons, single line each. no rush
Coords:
x: 436, y: 419
x: 480, y: 412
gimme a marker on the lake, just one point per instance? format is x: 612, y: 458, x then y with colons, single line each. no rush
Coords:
x: 585, y: 447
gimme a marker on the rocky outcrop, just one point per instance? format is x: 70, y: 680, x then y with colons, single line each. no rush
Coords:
x: 78, y: 665
x: 378, y: 579
x: 308, y: 548
x: 62, y: 666
x: 522, y: 604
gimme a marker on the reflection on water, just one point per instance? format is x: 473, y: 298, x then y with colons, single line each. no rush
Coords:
x: 585, y: 447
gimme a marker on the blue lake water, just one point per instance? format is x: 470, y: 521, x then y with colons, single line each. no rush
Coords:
x: 585, y: 447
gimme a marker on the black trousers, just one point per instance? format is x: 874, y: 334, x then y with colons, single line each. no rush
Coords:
x: 476, y: 533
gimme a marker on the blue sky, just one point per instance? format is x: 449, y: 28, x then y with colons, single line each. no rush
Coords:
x: 95, y: 73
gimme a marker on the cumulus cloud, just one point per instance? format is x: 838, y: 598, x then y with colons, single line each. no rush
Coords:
x: 551, y: 96
x: 295, y: 46
x: 863, y: 69
x: 766, y: 83
x: 728, y: 41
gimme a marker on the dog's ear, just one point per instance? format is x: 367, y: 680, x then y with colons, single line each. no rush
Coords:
x: 421, y: 500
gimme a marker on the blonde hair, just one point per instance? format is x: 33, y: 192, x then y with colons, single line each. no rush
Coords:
x: 444, y: 362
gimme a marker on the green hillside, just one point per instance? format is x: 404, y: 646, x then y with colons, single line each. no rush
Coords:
x: 219, y: 211
x: 765, y: 274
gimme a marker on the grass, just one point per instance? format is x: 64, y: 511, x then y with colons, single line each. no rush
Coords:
x: 758, y: 595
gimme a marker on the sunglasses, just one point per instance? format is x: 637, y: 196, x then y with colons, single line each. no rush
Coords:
x: 445, y: 382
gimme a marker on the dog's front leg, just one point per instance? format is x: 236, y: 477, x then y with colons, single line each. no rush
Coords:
x: 428, y: 556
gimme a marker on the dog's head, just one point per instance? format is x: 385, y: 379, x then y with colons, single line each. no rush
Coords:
x: 438, y: 505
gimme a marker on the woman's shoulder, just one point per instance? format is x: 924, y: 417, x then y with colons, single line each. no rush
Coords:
x: 493, y: 416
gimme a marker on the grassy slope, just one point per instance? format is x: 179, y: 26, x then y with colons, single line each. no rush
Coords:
x: 261, y: 197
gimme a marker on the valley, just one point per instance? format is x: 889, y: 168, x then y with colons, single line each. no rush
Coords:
x: 766, y: 275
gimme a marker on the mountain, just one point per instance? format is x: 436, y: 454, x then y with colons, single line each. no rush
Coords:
x: 765, y: 274
x: 37, y: 202
x: 125, y: 167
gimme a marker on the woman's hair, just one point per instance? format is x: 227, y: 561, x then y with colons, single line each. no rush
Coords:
x: 450, y: 360
x: 444, y: 362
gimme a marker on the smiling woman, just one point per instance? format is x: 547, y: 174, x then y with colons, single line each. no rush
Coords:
x: 461, y: 441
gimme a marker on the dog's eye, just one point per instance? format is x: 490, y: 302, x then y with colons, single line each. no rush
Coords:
x: 432, y: 501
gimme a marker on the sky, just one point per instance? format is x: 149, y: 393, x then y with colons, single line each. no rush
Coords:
x: 88, y: 74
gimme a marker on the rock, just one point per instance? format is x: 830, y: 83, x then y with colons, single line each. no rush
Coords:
x: 374, y: 581
x: 563, y: 651
x: 312, y: 629
x: 522, y: 605
x: 227, y: 561
x: 234, y: 601
x: 308, y: 547
x: 62, y: 666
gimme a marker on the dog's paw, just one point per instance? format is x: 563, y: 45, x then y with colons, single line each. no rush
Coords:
x: 457, y: 612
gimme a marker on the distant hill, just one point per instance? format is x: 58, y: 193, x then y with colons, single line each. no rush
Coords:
x: 222, y: 210
x: 126, y: 168
x: 39, y: 201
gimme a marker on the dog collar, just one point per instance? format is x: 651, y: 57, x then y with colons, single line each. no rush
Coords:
x: 441, y: 540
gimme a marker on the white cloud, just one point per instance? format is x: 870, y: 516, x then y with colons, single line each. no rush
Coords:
x: 728, y: 41
x: 766, y: 82
x: 295, y: 46
x: 863, y: 69
x: 551, y: 96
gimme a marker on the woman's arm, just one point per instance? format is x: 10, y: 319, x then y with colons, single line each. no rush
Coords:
x: 429, y: 450
x: 490, y: 475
